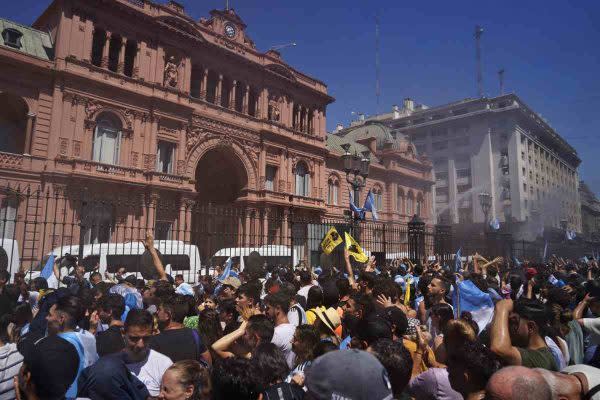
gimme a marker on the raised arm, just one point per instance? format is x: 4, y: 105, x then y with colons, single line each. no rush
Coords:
x: 500, y: 342
x: 221, y: 346
x: 349, y: 268
x: 581, y: 307
x: 158, y: 265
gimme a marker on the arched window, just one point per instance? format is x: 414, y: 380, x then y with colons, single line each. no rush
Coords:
x: 333, y: 192
x: 13, y: 123
x: 409, y: 204
x: 302, y: 180
x: 378, y: 196
x: 107, y: 139
x: 399, y: 200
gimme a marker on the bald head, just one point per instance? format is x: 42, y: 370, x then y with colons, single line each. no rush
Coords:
x: 514, y: 383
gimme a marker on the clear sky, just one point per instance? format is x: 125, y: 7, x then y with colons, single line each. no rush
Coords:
x: 550, y: 50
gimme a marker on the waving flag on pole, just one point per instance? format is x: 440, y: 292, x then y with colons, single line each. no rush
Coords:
x: 516, y: 261
x: 495, y: 224
x: 468, y: 297
x: 227, y: 272
x: 458, y: 260
x: 357, y: 211
x: 545, y: 252
x: 354, y: 249
x: 370, y: 205
x: 48, y: 268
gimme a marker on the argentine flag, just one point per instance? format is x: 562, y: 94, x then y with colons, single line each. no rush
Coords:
x: 370, y: 205
x: 495, y: 224
x: 468, y: 297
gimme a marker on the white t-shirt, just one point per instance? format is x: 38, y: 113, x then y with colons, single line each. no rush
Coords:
x: 304, y: 290
x: 282, y: 338
x: 592, y: 326
x: 592, y: 374
x: 151, y: 370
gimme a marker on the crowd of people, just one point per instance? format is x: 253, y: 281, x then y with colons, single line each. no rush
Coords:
x: 398, y: 330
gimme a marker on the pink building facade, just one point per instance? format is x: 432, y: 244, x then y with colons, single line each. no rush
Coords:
x: 169, y: 110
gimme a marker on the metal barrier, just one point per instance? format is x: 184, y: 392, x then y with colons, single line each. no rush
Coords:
x: 106, y: 230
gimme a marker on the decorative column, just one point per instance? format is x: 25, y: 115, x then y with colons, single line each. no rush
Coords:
x: 286, y: 234
x: 305, y: 120
x: 232, y: 94
x: 204, y: 84
x: 219, y: 90
x: 246, y: 99
x: 186, y: 82
x: 136, y: 62
x: 265, y: 226
x: 292, y: 117
x: 121, y: 65
x: 88, y: 40
x: 29, y: 132
x: 106, y: 49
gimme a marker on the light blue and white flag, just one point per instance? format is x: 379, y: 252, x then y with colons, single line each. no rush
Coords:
x: 357, y: 211
x: 495, y: 224
x: 469, y: 298
x: 370, y: 205
x: 516, y: 261
x: 48, y: 269
x: 227, y: 272
x: 458, y: 260
x: 570, y: 235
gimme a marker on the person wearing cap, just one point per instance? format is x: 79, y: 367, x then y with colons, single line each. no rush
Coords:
x: 39, y: 377
x: 276, y: 308
x: 348, y: 375
x: 515, y: 335
x: 229, y: 286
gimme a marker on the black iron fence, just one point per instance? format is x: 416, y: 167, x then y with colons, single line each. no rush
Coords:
x: 501, y: 244
x: 107, y: 229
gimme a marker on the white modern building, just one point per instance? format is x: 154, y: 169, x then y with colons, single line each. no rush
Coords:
x: 498, y: 146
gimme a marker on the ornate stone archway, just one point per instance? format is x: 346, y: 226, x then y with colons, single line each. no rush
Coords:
x: 245, y: 156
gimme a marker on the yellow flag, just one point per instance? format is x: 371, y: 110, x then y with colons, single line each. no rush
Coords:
x: 355, y: 250
x: 331, y: 240
x: 407, y: 292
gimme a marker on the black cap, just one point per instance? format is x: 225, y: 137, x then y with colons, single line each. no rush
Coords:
x: 53, y: 363
x: 349, y: 375
x: 131, y: 279
x: 396, y: 317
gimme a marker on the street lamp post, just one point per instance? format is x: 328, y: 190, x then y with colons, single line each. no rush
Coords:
x: 356, y: 169
x: 485, y: 201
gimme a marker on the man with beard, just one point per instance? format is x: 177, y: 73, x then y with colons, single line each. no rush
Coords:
x: 110, y: 309
x: 62, y: 321
x: 175, y: 340
x: 146, y: 364
x: 517, y: 334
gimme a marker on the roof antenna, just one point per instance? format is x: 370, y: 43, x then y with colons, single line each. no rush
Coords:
x: 501, y: 79
x: 377, y: 66
x: 478, y: 33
